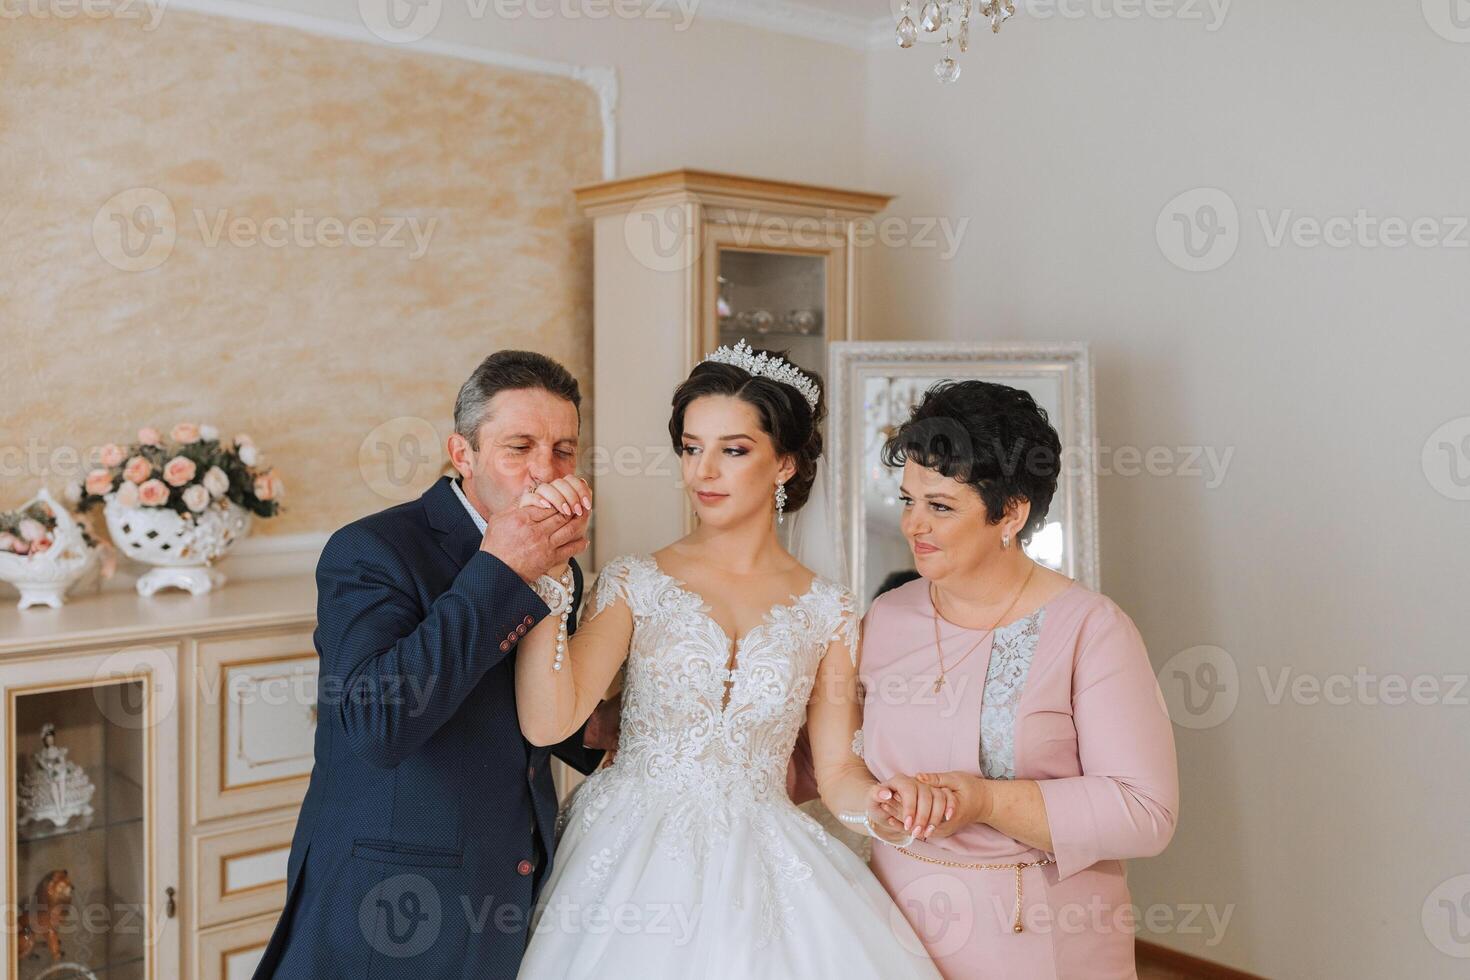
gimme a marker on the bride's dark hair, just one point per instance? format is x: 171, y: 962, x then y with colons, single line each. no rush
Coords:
x: 794, y: 426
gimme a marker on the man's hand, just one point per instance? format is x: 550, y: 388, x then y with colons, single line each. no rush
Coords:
x: 531, y: 540
x: 563, y: 508
x: 801, y: 776
x: 602, y: 727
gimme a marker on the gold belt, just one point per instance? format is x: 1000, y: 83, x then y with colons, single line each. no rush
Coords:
x: 1018, y: 868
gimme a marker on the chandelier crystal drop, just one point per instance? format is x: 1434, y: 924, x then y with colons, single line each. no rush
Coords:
x: 949, y: 22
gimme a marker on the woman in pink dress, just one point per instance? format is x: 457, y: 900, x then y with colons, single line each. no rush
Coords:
x: 1012, y: 712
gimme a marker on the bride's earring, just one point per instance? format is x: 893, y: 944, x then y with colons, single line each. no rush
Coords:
x: 780, y: 503
x: 1005, y: 540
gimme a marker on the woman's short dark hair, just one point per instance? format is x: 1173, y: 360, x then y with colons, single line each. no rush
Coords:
x: 794, y: 426
x: 509, y: 370
x: 990, y: 436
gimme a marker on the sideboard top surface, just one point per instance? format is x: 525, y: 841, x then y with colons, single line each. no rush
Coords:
x: 123, y: 616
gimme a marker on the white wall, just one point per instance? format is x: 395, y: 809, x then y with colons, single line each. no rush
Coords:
x: 1326, y: 548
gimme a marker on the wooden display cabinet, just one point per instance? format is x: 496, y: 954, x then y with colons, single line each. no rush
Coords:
x: 684, y: 262
x: 194, y: 718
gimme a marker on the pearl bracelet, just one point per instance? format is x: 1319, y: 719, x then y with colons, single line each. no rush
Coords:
x: 558, y: 598
x: 864, y: 823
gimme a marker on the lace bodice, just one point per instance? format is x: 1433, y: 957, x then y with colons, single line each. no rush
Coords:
x: 705, y: 763
x: 676, y: 727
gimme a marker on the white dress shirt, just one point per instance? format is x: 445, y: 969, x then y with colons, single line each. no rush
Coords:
x: 480, y: 522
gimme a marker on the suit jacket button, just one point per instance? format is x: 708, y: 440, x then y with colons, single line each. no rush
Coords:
x: 521, y: 630
x: 528, y: 620
x: 504, y: 645
x: 524, y: 867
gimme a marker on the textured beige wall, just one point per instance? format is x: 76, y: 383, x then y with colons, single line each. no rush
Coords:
x: 259, y: 147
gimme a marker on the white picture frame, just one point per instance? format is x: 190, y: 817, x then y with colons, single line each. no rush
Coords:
x: 865, y: 379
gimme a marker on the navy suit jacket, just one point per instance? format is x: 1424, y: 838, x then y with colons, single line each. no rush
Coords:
x: 429, y: 821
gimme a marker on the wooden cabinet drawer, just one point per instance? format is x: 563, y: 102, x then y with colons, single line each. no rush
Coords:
x: 232, y: 952
x: 240, y: 873
x: 255, y: 717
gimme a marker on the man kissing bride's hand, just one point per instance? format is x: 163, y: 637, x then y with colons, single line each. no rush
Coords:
x: 545, y: 531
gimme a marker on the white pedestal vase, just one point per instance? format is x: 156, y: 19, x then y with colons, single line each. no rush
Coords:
x: 180, y: 549
x: 44, y: 578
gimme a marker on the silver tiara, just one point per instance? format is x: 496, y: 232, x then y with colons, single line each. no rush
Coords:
x: 767, y: 366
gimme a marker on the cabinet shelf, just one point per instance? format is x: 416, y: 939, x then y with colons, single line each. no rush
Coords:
x: 118, y: 803
x: 73, y: 830
x: 128, y: 968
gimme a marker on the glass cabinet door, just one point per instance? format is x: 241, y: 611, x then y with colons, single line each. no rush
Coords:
x: 782, y: 299
x: 775, y: 300
x: 92, y: 833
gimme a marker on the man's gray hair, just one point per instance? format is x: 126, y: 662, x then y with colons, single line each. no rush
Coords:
x: 509, y: 370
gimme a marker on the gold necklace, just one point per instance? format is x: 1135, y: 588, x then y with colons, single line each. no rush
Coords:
x: 933, y: 604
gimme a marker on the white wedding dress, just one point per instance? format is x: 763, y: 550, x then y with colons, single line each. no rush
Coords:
x: 685, y: 858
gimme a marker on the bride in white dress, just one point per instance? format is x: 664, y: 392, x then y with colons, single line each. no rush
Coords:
x: 685, y: 858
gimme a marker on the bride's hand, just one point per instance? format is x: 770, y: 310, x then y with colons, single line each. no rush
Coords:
x: 913, y: 806
x: 568, y: 494
x: 883, y: 823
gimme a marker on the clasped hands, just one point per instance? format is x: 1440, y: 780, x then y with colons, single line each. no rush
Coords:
x: 543, y: 533
x: 928, y: 805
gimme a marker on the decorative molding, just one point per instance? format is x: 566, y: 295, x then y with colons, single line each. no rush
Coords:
x: 854, y: 31
x: 602, y: 79
x: 881, y: 33
x: 712, y: 189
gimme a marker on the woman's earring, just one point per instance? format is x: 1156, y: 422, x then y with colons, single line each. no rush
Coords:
x: 780, y: 503
x: 1005, y: 540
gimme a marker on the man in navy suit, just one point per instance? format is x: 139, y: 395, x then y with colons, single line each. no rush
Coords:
x: 428, y: 824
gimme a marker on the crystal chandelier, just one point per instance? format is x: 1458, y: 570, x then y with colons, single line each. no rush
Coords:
x: 951, y: 18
